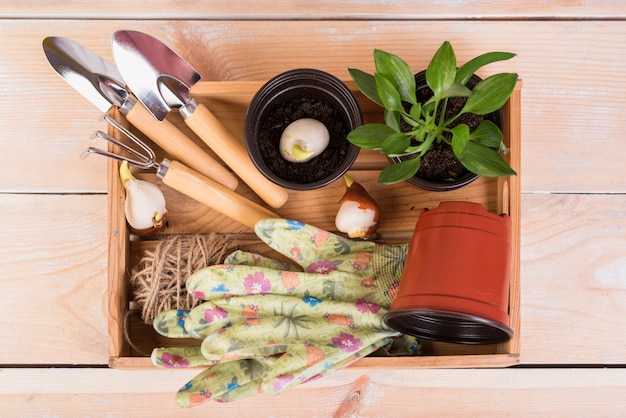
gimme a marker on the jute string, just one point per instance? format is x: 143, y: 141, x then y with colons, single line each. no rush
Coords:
x: 158, y: 281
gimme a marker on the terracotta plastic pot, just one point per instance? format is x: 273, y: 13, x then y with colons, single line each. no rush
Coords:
x: 286, y: 87
x: 455, y: 283
x: 467, y: 177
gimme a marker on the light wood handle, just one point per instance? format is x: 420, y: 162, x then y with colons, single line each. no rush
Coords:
x: 235, y: 155
x: 180, y: 147
x: 214, y: 195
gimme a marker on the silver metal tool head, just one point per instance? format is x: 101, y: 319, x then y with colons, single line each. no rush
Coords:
x: 91, y: 75
x: 143, y: 157
x: 159, y: 77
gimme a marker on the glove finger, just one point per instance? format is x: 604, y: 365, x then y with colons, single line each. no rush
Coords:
x: 404, y: 345
x: 213, y: 316
x: 308, y: 245
x: 268, y: 336
x: 306, y: 362
x: 171, y: 323
x: 224, y: 382
x: 179, y: 357
x: 251, y: 259
x: 268, y: 315
x: 218, y: 282
x: 201, y: 321
x: 272, y: 335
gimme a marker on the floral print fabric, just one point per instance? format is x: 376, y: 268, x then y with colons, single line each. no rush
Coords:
x: 287, y: 323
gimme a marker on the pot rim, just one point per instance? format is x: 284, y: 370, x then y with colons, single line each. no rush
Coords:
x: 285, y: 84
x: 448, y: 326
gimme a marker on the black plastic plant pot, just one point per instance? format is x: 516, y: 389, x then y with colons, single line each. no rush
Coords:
x: 466, y: 177
x: 293, y: 95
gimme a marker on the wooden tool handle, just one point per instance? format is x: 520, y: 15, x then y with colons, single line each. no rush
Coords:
x: 180, y: 147
x: 235, y: 155
x: 214, y: 195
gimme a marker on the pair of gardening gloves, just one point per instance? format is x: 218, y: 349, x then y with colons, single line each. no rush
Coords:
x: 267, y: 326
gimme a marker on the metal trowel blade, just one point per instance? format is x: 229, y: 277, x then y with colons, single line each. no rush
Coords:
x: 159, y: 77
x: 91, y: 75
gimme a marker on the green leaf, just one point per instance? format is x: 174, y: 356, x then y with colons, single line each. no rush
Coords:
x: 460, y: 139
x: 409, y: 121
x: 490, y: 94
x: 456, y: 90
x: 399, y: 71
x: 416, y: 111
x: 366, y: 84
x: 388, y: 93
x: 484, y: 161
x: 441, y: 70
x: 392, y: 119
x: 487, y: 134
x: 414, y: 149
x: 370, y: 136
x: 421, y: 144
x: 428, y: 108
x: 465, y: 72
x: 398, y: 172
x: 418, y: 134
x: 395, y: 144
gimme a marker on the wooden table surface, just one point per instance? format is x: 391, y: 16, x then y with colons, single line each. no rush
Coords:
x: 53, y: 252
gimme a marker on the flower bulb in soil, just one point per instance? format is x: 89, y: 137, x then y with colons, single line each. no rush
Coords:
x: 303, y: 140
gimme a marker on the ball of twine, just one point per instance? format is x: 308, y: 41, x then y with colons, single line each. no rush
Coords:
x: 158, y: 281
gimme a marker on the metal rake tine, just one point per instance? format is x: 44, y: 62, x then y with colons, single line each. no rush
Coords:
x: 151, y: 156
x: 148, y: 159
x: 145, y: 162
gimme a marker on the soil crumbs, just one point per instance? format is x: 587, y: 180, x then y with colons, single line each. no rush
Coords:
x: 319, y: 167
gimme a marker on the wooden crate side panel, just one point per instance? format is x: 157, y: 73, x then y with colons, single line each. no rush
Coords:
x: 373, y: 363
x: 514, y: 136
x: 118, y: 247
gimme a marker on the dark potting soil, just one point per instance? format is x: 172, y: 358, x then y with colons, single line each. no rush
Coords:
x: 440, y: 163
x: 319, y: 167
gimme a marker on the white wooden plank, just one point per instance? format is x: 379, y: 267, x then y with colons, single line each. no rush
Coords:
x: 397, y: 393
x: 573, y: 279
x: 325, y: 9
x: 53, y: 258
x: 46, y: 125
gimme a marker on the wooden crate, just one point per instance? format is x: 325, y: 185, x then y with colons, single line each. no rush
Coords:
x: 400, y: 205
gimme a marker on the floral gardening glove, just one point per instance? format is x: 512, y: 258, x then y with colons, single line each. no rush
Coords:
x: 268, y: 326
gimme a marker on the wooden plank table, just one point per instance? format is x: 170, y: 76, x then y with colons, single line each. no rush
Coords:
x: 53, y: 255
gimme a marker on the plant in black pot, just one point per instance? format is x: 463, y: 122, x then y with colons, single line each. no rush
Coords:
x: 296, y: 128
x: 443, y: 126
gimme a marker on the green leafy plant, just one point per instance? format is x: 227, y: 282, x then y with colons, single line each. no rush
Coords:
x: 393, y: 87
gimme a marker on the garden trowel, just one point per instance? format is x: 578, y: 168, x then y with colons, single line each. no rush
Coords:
x: 161, y: 80
x: 102, y: 84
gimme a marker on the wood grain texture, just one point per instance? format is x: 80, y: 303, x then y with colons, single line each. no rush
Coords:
x: 326, y: 9
x: 53, y: 263
x: 400, y: 207
x: 573, y: 288
x: 573, y: 279
x: 347, y: 393
x: 569, y: 97
x: 53, y: 251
